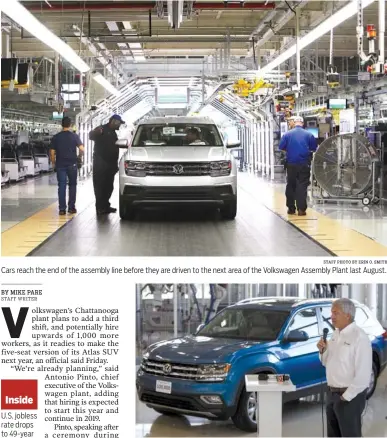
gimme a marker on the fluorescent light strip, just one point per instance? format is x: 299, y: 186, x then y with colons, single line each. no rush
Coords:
x: 106, y: 84
x: 336, y: 19
x: 25, y: 19
x: 112, y: 25
x: 127, y: 25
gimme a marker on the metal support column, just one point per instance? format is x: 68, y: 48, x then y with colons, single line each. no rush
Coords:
x: 271, y: 149
x: 175, y: 311
x: 382, y: 30
x: 56, y: 76
x: 302, y: 290
x: 81, y: 100
x: 228, y: 50
x: 298, y: 50
x: 357, y: 128
x: 138, y: 316
x: 372, y: 298
x: 384, y: 307
x: 203, y: 86
x: 344, y: 289
x: 357, y: 292
x: 6, y: 45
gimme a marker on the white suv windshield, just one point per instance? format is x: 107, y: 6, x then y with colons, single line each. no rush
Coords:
x: 177, y: 134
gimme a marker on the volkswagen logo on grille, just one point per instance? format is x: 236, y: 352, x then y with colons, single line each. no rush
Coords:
x: 167, y: 368
x: 178, y: 169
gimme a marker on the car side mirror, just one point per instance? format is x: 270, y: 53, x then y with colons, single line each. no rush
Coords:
x: 122, y: 144
x: 296, y: 336
x: 200, y: 327
x: 233, y: 145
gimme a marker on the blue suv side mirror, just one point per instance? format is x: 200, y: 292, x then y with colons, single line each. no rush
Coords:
x: 296, y: 336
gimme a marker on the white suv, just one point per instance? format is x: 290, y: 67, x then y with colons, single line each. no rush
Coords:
x: 178, y: 160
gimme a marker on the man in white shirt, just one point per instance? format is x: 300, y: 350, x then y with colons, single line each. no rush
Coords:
x: 347, y: 358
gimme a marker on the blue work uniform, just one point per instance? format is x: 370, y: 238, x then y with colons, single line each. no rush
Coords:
x: 65, y: 145
x: 299, y: 146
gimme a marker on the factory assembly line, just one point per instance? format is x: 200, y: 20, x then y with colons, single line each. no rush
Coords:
x: 206, y: 92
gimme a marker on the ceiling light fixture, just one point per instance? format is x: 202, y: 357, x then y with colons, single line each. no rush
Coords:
x: 101, y: 80
x: 25, y: 19
x: 334, y: 20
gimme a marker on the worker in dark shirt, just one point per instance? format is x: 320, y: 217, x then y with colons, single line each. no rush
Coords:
x: 64, y: 157
x: 299, y: 146
x: 105, y: 163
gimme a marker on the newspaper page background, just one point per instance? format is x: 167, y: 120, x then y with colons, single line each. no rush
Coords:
x: 76, y: 347
x: 71, y: 336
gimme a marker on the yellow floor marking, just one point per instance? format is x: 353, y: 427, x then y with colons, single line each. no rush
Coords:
x: 330, y: 233
x: 24, y: 237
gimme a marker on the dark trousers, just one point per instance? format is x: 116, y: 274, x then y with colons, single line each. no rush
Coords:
x: 298, y: 178
x: 344, y: 419
x: 64, y: 174
x: 103, y: 182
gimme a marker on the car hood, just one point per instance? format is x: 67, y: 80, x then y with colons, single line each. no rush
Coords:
x: 197, y: 349
x: 177, y: 153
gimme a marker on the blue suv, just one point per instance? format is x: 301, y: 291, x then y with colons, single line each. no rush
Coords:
x: 204, y: 375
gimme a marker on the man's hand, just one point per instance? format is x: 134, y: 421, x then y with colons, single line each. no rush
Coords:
x: 322, y: 346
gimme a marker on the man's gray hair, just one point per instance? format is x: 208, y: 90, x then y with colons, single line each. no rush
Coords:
x: 347, y: 306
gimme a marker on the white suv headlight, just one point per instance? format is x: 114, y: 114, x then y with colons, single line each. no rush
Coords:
x: 135, y: 168
x: 220, y: 168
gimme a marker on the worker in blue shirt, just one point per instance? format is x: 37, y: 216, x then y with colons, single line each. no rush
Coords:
x: 64, y: 157
x: 299, y: 146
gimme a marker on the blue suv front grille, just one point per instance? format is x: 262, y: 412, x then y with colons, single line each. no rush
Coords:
x: 178, y: 371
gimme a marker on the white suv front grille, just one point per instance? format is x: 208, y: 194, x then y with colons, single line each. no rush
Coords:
x: 178, y: 169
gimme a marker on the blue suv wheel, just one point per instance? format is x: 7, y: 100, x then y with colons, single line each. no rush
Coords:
x: 245, y: 417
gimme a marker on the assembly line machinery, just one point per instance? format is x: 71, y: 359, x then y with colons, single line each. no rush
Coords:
x: 24, y: 156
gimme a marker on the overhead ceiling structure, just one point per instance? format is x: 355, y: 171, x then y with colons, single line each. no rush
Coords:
x: 138, y: 30
x: 180, y: 44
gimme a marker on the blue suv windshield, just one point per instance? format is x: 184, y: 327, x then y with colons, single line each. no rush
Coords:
x: 253, y: 324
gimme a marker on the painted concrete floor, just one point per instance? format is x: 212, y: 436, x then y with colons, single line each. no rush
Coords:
x: 261, y: 228
x: 193, y: 232
x: 370, y: 221
x: 303, y: 419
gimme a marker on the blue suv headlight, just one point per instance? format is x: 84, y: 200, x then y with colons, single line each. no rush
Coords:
x: 213, y: 372
x: 220, y: 168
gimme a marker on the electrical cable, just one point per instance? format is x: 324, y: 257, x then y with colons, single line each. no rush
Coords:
x: 293, y: 10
